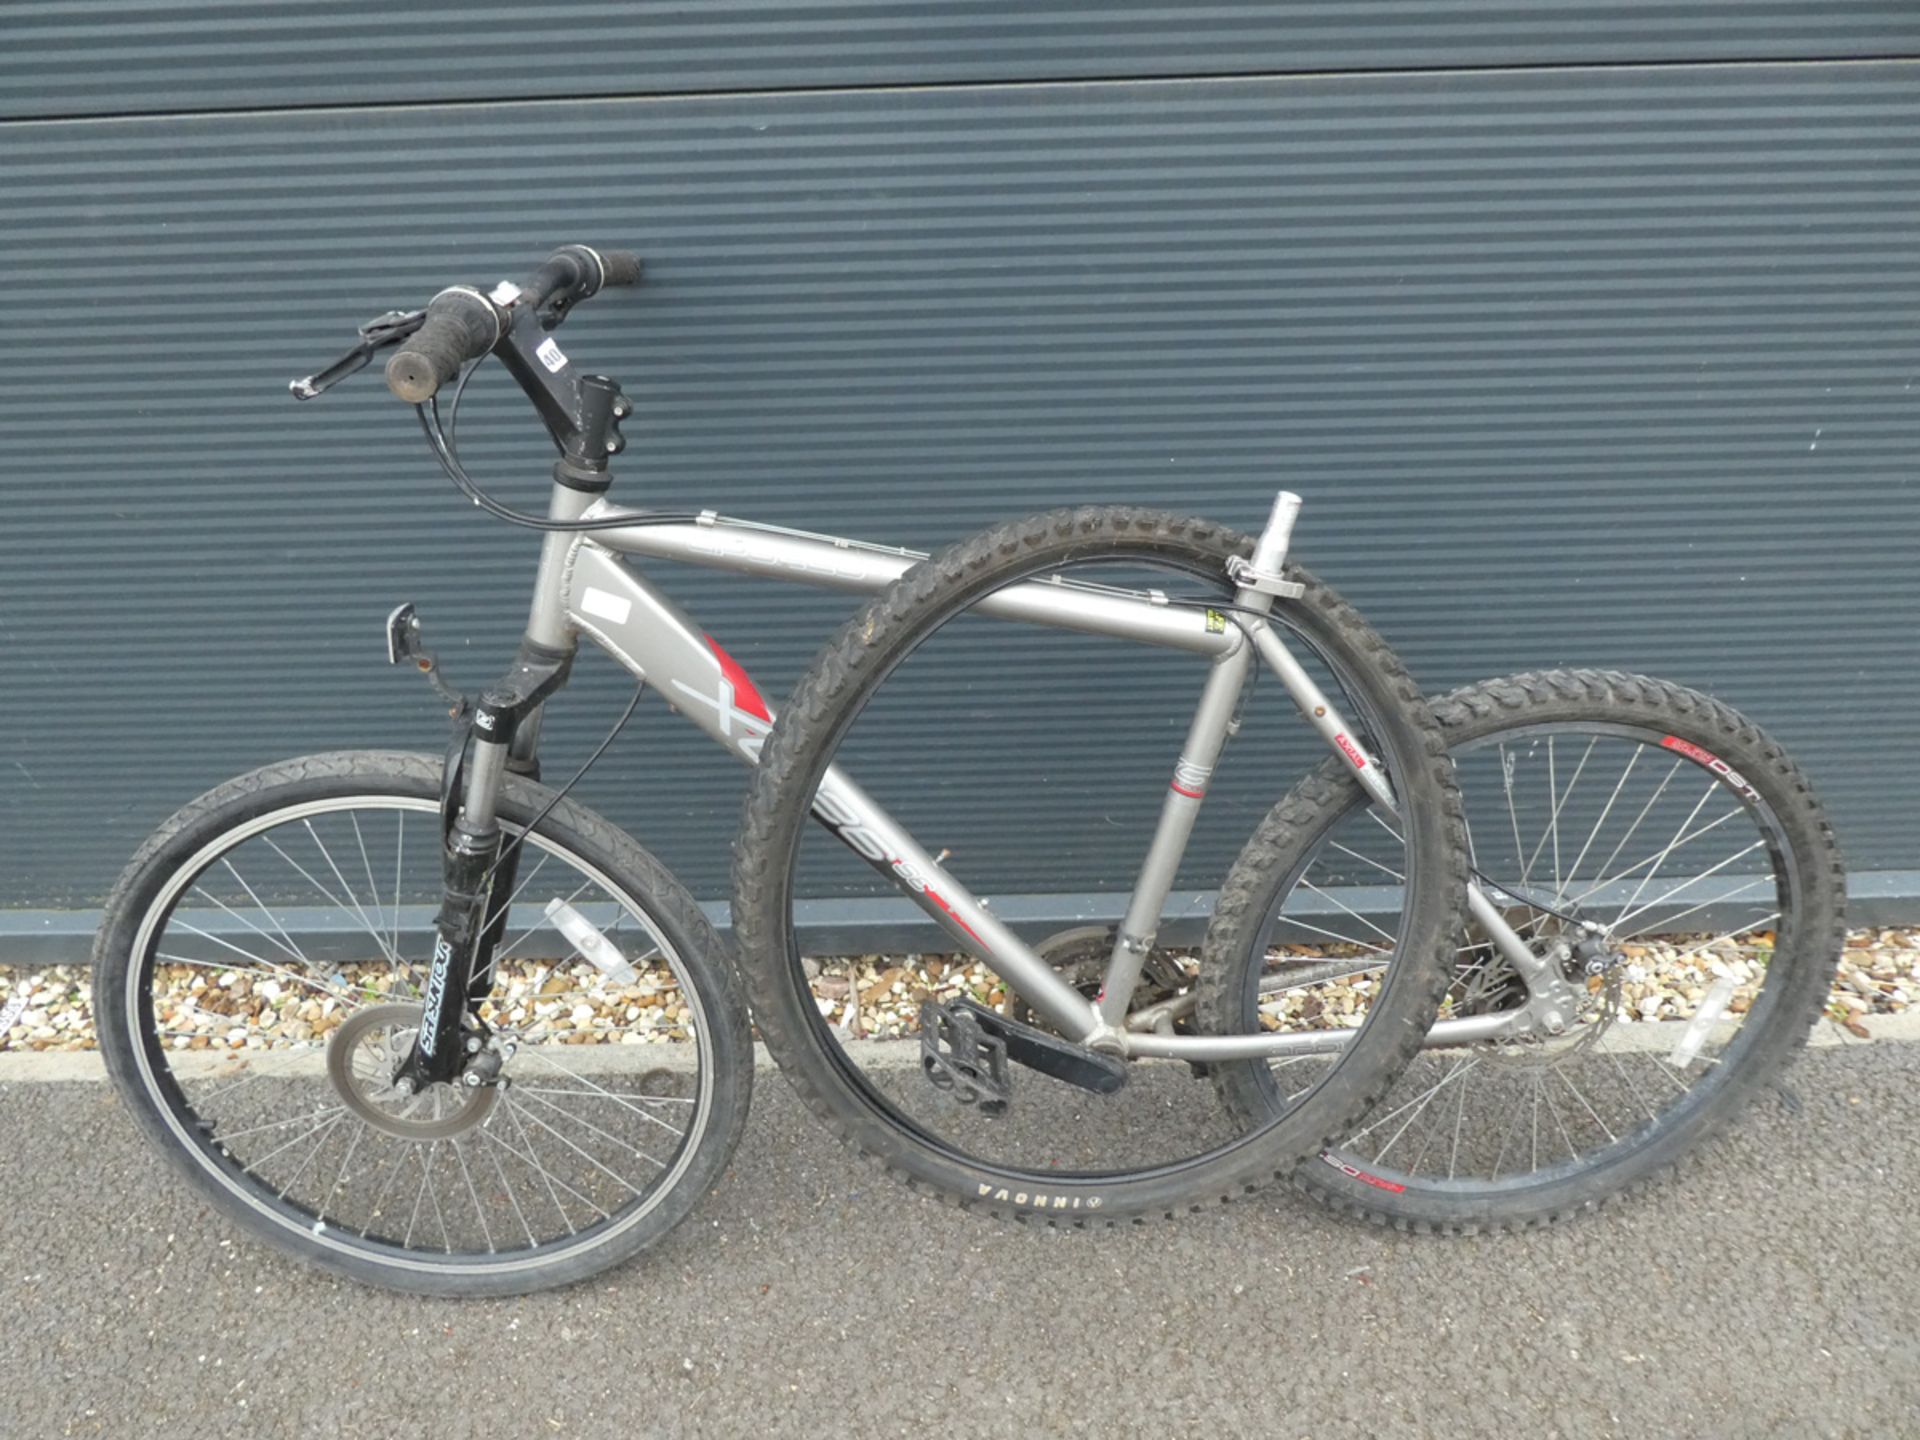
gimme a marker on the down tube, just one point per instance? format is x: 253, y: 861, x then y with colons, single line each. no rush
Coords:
x: 646, y: 632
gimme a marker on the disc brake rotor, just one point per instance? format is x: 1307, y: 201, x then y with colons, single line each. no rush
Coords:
x: 361, y: 1058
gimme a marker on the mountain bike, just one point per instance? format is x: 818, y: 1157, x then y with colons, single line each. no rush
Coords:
x: 507, y: 1051
x: 431, y: 1024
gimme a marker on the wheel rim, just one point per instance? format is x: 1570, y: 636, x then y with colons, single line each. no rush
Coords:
x: 1634, y: 1067
x: 530, y: 1180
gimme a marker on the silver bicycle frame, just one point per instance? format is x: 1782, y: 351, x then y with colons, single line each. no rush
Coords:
x: 583, y: 588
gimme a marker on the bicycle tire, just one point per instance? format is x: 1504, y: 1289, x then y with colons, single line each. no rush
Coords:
x: 830, y: 695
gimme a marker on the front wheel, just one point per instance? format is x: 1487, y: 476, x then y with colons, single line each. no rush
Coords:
x: 258, y: 979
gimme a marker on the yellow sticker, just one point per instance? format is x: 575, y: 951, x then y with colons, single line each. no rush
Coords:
x: 1216, y: 623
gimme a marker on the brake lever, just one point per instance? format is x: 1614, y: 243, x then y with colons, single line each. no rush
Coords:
x: 382, y: 330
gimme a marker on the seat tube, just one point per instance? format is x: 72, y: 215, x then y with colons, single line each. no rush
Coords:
x: 1206, y: 737
x: 1178, y: 811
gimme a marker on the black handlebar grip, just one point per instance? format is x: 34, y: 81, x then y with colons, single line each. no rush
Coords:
x: 461, y: 325
x: 620, y: 267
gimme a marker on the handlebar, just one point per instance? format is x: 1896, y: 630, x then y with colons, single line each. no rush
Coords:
x: 462, y: 324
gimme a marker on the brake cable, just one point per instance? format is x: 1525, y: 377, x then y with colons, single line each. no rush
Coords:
x: 441, y: 442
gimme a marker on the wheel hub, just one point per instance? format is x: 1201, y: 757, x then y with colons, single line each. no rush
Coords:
x: 1556, y: 1014
x: 362, y: 1057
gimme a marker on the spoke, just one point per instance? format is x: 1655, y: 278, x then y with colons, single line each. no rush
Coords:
x: 1513, y: 1125
x: 1536, y: 1122
x: 1668, y: 922
x: 266, y: 1070
x: 1568, y: 1080
x: 546, y: 1176
x: 290, y: 945
x: 1559, y: 799
x: 1278, y: 1065
x: 1620, y: 875
x: 395, y: 1163
x: 277, y: 972
x: 1627, y: 1075
x: 537, y: 927
x: 319, y: 1142
x: 1459, y: 1121
x: 603, y: 1134
x: 272, y: 940
x: 1573, y: 1151
x: 1374, y: 815
x: 260, y: 961
x: 1513, y: 817
x: 1347, y: 909
x: 352, y: 899
x: 479, y: 1210
x: 224, y: 1136
x: 278, y: 1149
x: 433, y: 1195
x: 373, y: 889
x: 598, y: 1094
x: 599, y: 1089
x: 1652, y: 800
x: 529, y: 1115
x: 1553, y: 820
x: 406, y: 1241
x: 1686, y: 884
x: 1606, y: 810
x: 512, y: 1198
x: 1412, y: 1167
x: 1660, y: 1067
x: 1333, y: 935
x: 493, y: 961
x: 338, y: 1180
x: 1364, y: 860
x: 332, y: 899
x: 519, y: 889
x: 399, y: 852
x: 1418, y: 1104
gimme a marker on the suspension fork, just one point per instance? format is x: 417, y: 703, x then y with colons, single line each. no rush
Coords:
x: 502, y: 734
x: 523, y: 759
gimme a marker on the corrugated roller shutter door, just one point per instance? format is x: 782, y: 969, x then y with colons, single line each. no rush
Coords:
x: 1606, y: 367
x: 79, y: 57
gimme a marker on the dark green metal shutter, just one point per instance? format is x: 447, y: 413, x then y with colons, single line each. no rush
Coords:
x: 85, y: 58
x: 1603, y: 364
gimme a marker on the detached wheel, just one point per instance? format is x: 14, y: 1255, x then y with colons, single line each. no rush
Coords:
x: 1158, y: 1145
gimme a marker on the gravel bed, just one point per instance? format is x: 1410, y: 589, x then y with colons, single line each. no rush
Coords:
x: 209, y: 1007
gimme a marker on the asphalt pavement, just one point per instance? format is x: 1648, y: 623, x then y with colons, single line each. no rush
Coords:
x: 1772, y: 1290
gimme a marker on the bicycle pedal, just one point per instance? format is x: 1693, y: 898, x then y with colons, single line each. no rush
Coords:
x: 1040, y: 1050
x: 958, y: 1056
